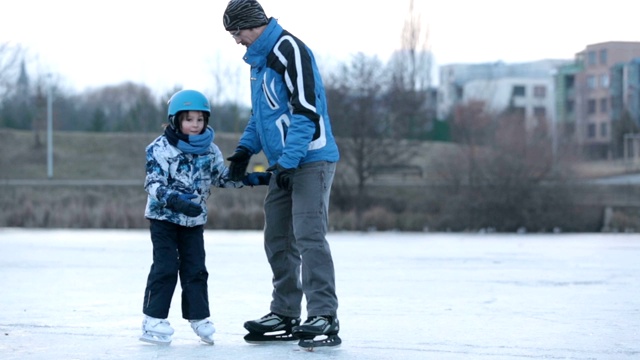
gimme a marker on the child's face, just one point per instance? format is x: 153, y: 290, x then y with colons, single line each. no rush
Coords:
x: 192, y: 122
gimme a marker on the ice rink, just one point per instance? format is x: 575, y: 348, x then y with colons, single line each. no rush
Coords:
x: 77, y: 294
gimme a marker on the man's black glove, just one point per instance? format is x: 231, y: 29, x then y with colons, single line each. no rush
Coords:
x: 182, y: 203
x: 257, y: 178
x: 239, y: 162
x: 284, y: 177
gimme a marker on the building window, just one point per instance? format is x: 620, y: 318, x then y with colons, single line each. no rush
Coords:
x: 540, y: 112
x: 604, y: 80
x: 591, y: 82
x: 519, y: 111
x: 591, y: 106
x: 540, y: 91
x: 616, y: 102
x: 569, y: 82
x: 603, y: 57
x: 591, y: 58
x: 518, y: 90
x: 604, y: 105
x: 459, y: 92
x: 570, y: 106
x: 591, y: 131
x: 604, y: 129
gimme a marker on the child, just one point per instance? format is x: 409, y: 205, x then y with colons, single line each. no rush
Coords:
x: 182, y: 165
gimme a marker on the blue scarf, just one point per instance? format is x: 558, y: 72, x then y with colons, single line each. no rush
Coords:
x: 190, y: 144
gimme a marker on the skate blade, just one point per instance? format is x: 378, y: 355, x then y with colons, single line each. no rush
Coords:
x: 261, y: 339
x: 207, y: 339
x: 331, y: 342
x: 157, y: 340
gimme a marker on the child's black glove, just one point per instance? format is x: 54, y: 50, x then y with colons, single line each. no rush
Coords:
x: 182, y: 203
x: 284, y: 177
x: 257, y: 178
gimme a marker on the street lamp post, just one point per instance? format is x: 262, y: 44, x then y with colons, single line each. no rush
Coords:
x: 49, y: 130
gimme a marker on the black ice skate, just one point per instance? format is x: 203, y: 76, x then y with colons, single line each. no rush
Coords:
x: 270, y: 328
x: 318, y: 332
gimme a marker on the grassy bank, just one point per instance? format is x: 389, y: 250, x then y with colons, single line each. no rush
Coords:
x: 84, y: 155
x: 119, y: 158
x: 96, y: 157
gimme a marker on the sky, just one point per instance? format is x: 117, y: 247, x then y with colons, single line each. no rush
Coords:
x: 164, y: 44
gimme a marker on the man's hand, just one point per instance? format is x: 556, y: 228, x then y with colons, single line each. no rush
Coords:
x: 284, y: 177
x: 182, y: 203
x: 239, y: 162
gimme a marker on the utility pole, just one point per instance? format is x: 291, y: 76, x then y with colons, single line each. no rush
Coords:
x: 49, y: 129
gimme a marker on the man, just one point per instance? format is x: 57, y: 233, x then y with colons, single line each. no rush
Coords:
x: 290, y: 124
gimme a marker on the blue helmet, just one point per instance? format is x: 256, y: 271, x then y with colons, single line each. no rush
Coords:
x: 185, y: 100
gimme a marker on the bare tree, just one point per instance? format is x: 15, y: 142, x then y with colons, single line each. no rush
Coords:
x: 15, y: 97
x: 377, y: 110
x: 414, y: 61
x: 24, y: 99
x: 500, y: 175
x: 124, y: 107
x: 411, y: 101
x: 10, y: 57
x: 361, y: 124
x: 227, y: 93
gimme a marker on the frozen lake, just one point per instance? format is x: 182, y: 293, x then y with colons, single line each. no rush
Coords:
x: 77, y: 294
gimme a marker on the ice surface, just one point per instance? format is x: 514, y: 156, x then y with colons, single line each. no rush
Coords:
x: 77, y: 294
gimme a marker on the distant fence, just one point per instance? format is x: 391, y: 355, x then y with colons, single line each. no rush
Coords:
x: 616, y: 195
x: 70, y: 182
x: 627, y: 195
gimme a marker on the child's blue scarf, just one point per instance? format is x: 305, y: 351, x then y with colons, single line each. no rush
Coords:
x: 190, y: 144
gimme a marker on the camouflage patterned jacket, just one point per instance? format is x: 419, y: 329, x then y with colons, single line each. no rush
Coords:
x: 169, y: 170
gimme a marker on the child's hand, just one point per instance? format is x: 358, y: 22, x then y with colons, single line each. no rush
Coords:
x: 257, y: 178
x: 182, y: 203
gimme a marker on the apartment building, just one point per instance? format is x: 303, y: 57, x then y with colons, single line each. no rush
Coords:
x: 625, y: 91
x: 524, y: 87
x: 596, y: 90
x: 581, y: 98
x: 533, y: 98
x: 625, y: 108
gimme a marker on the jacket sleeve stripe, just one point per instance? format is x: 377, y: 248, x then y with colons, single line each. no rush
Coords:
x: 299, y: 77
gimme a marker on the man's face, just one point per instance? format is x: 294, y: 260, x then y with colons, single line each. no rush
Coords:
x: 245, y: 37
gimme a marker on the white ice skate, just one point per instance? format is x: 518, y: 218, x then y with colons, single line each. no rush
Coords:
x: 203, y: 328
x: 156, y: 331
